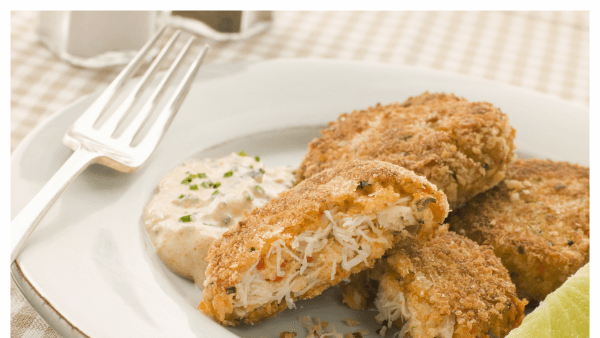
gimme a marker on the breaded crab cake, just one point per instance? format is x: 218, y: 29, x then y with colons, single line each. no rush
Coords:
x: 462, y: 147
x: 537, y: 220
x: 314, y: 235
x: 447, y: 287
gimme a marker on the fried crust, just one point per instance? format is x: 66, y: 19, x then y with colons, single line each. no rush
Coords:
x: 299, y: 210
x: 462, y: 147
x: 452, y: 275
x: 537, y: 220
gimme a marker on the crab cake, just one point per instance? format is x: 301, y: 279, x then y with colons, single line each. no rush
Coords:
x: 462, y: 147
x: 447, y: 287
x: 312, y: 236
x: 537, y: 220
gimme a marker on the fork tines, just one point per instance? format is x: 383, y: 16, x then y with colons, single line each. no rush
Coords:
x: 102, y: 145
x: 119, y: 116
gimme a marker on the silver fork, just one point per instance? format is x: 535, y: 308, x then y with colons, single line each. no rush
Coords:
x: 101, y: 145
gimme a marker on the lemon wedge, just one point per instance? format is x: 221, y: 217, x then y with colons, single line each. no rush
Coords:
x: 564, y: 313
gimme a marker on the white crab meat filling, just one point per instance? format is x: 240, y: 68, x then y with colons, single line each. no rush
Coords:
x: 293, y: 272
x: 393, y: 305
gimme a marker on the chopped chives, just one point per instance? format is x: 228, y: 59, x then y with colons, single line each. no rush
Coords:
x: 186, y: 218
x: 242, y: 153
x: 257, y: 158
x: 216, y: 192
x: 194, y: 187
x: 216, y: 185
x: 228, y: 174
x: 201, y: 175
x: 181, y: 196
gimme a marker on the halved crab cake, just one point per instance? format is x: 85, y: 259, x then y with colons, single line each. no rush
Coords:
x: 314, y: 235
x: 462, y: 147
x: 447, y: 287
x: 538, y: 222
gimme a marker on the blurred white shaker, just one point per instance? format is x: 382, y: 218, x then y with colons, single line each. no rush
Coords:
x: 95, y: 39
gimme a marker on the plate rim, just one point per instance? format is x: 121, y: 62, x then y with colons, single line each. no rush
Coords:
x: 24, y: 285
x: 52, y: 116
x: 22, y: 281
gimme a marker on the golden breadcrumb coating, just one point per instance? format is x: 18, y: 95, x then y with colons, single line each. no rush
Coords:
x: 245, y: 254
x: 451, y: 287
x: 462, y: 147
x: 537, y: 220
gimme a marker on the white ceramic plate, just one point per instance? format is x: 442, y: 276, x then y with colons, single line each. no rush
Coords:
x: 90, y: 270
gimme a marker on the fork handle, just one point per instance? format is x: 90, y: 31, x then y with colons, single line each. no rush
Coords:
x: 23, y: 225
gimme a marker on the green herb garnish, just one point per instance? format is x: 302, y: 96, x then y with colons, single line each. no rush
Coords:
x: 186, y: 218
x: 216, y: 185
x: 251, y: 167
x: 259, y: 189
x: 201, y: 175
x: 228, y: 174
x: 216, y: 192
x: 194, y: 187
x: 242, y: 153
x: 205, y: 185
x: 180, y: 197
x: 257, y: 158
x: 189, y: 178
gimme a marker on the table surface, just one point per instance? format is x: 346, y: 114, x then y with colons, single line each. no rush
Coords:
x: 542, y: 51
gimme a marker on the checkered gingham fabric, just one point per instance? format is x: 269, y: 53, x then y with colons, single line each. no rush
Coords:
x: 543, y: 51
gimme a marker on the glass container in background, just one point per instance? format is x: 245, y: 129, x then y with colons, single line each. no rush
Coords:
x: 222, y: 25
x: 95, y: 39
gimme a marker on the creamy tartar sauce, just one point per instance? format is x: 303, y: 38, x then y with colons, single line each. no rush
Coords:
x: 197, y: 202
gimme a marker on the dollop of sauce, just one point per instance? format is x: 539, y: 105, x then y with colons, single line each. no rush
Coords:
x: 200, y: 199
